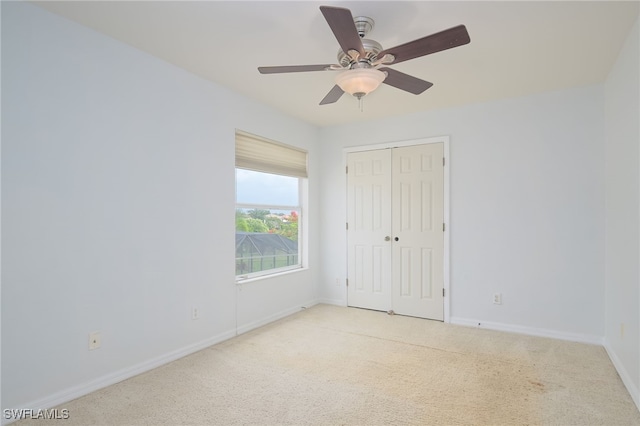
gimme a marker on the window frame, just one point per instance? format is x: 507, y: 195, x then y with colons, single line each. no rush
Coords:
x: 301, y: 175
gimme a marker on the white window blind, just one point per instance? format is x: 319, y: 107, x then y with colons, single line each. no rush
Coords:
x: 262, y: 155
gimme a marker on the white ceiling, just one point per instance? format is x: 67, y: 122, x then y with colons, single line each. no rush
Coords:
x: 517, y: 48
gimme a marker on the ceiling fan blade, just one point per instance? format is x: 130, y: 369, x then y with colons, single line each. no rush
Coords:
x: 341, y: 22
x: 447, y: 39
x: 293, y: 68
x: 333, y: 95
x: 405, y: 82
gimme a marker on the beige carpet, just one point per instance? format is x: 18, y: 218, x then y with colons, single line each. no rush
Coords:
x: 329, y: 365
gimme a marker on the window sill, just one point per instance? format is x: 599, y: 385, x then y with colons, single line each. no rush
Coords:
x: 240, y: 281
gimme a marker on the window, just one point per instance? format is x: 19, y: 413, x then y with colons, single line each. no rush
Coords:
x: 269, y: 214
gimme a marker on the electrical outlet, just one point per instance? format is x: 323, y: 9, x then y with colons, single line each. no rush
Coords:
x: 195, y: 314
x: 95, y: 340
x: 497, y: 298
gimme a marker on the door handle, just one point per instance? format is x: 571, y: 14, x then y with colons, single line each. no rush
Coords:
x: 396, y: 239
x: 387, y: 238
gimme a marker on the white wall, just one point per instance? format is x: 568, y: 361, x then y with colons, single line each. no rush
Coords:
x: 622, y: 112
x: 118, y: 210
x: 527, y: 208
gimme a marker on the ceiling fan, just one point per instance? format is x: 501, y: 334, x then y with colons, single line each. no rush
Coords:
x: 363, y: 62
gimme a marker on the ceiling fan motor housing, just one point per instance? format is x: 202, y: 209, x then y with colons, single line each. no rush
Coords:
x: 371, y: 50
x: 364, y: 24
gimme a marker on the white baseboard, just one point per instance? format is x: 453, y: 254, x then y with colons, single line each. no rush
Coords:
x: 531, y: 331
x: 74, y: 392
x: 337, y: 302
x: 573, y: 337
x: 271, y: 318
x: 623, y: 373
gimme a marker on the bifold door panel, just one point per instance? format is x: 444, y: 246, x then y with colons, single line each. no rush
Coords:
x: 417, y: 218
x: 369, y: 229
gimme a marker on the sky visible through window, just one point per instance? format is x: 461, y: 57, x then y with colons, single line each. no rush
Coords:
x: 264, y: 188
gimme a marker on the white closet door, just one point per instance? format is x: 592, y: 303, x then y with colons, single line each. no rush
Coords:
x: 395, y: 253
x: 369, y: 229
x: 418, y: 236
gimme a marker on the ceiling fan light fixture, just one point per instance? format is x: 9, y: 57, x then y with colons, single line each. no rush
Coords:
x: 360, y: 81
x: 359, y: 57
